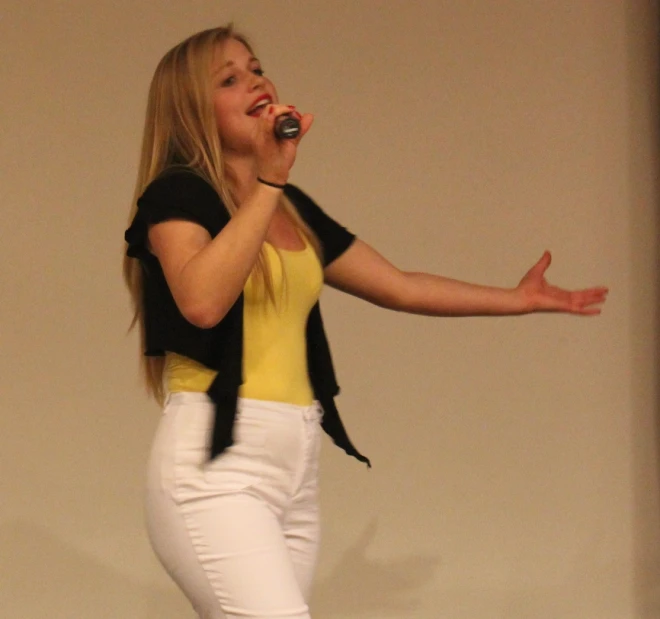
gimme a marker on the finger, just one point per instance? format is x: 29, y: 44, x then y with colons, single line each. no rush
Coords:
x: 587, y: 293
x: 598, y: 298
x: 591, y: 296
x: 600, y: 293
x: 278, y: 109
x: 589, y: 303
x: 306, y: 121
x: 596, y: 290
x: 266, y: 120
x: 271, y: 114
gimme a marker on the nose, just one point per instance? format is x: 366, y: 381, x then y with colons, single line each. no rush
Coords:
x: 256, y: 81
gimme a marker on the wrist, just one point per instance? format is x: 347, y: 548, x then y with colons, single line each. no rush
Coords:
x: 266, y: 195
x: 523, y: 302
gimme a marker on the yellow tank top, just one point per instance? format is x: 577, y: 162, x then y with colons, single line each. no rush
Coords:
x: 274, y: 343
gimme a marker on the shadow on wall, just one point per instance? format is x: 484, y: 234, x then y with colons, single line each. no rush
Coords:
x: 359, y: 585
x: 43, y: 576
x: 54, y: 579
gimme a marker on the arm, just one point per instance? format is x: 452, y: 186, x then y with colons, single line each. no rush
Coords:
x: 206, y: 275
x: 363, y: 272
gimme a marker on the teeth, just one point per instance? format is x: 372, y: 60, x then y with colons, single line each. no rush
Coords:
x: 259, y: 106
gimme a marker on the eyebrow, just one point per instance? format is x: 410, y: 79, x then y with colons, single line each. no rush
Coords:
x: 231, y: 63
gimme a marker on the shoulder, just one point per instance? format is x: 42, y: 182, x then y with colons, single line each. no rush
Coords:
x: 177, y: 193
x: 177, y: 185
x: 183, y: 193
x: 333, y: 236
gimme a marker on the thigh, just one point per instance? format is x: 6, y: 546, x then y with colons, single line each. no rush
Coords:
x: 225, y: 549
x: 302, y: 536
x: 229, y: 557
x: 301, y: 523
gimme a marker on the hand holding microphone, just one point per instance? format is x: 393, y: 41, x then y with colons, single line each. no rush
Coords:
x: 287, y: 123
x: 280, y: 130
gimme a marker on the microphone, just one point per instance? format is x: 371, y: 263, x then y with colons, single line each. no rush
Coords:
x: 287, y: 127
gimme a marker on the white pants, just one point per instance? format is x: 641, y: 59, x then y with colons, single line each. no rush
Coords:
x: 239, y: 534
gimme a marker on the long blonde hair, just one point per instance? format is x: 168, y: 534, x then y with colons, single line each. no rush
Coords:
x: 180, y: 129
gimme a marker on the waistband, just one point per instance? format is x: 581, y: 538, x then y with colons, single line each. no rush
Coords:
x: 313, y: 411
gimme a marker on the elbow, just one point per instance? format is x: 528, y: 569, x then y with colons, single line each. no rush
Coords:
x: 400, y: 303
x: 400, y: 297
x: 403, y: 297
x: 392, y: 300
x: 396, y: 294
x: 203, y: 316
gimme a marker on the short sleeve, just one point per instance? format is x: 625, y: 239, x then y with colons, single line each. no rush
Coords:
x: 335, y: 238
x: 179, y: 194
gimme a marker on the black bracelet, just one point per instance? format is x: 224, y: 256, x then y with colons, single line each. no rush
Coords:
x: 261, y: 180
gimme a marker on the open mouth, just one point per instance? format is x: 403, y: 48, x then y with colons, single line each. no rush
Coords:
x: 259, y: 106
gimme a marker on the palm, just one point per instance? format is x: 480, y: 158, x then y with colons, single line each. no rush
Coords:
x: 542, y: 296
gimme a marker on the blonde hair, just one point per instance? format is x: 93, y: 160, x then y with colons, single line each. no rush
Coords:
x: 180, y: 130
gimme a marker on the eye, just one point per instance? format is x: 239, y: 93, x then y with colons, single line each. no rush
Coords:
x: 258, y: 71
x: 228, y: 81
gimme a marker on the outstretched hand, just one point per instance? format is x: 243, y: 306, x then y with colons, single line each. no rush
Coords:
x: 540, y: 296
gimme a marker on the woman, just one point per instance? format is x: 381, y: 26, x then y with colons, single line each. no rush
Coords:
x: 225, y: 262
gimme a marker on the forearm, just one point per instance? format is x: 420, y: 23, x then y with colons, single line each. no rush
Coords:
x: 214, y: 277
x: 434, y: 295
x: 363, y: 272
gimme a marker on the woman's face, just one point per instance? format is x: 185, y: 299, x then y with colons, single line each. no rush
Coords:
x: 240, y: 93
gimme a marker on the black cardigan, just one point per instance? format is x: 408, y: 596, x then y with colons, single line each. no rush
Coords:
x: 181, y: 194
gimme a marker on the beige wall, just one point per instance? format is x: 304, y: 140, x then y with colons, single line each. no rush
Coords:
x: 515, y: 460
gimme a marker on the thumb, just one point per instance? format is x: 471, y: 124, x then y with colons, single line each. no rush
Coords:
x: 305, y: 123
x: 539, y: 269
x: 544, y: 262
